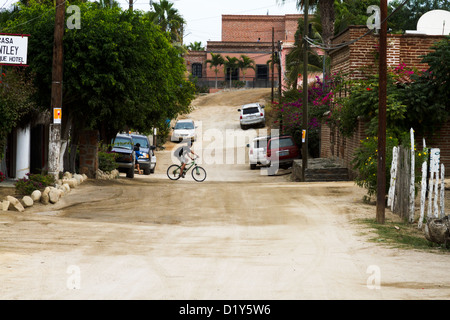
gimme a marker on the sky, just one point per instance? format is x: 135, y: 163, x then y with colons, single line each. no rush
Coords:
x: 204, y: 17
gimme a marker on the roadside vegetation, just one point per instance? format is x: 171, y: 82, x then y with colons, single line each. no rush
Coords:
x: 400, y: 234
x: 122, y: 70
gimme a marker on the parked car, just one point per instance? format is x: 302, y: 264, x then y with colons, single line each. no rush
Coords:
x: 257, y: 153
x: 252, y: 115
x: 124, y: 147
x: 147, y: 160
x: 184, y: 130
x: 282, y: 151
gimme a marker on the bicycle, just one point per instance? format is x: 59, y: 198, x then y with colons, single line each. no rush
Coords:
x: 198, y: 173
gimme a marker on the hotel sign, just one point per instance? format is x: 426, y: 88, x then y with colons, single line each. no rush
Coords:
x: 13, y: 49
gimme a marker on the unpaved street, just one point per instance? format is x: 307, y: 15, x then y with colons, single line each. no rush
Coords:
x: 238, y: 235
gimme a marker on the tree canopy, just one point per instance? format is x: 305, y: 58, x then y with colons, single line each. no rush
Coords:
x: 120, y: 69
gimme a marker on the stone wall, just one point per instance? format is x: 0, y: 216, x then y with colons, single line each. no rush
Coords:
x: 88, y: 147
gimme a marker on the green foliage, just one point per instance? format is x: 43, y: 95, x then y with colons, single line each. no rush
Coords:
x: 407, y: 17
x: 33, y: 182
x: 365, y: 160
x: 16, y: 105
x: 428, y: 94
x: 352, y: 12
x: 120, y: 69
x: 107, y: 161
x: 415, y: 99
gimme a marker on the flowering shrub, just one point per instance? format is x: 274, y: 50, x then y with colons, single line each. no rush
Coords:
x: 365, y: 161
x: 33, y: 182
x: 2, y: 176
x: 290, y: 113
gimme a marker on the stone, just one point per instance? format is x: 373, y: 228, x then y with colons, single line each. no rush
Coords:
x: 66, y: 187
x: 15, y: 204
x: 71, y: 182
x: 54, y: 195
x: 27, y: 201
x: 5, y: 205
x: 78, y: 177
x: 36, y: 195
x: 45, y: 199
x: 67, y: 175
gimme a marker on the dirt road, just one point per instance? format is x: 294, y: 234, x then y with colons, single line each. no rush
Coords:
x: 238, y: 235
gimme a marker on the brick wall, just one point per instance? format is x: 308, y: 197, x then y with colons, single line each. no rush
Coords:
x: 88, y: 147
x: 250, y: 28
x: 196, y: 57
x: 360, y: 57
x: 335, y: 146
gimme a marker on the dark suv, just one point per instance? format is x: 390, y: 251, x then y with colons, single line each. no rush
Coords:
x: 124, y: 148
x: 145, y: 160
x: 282, y: 151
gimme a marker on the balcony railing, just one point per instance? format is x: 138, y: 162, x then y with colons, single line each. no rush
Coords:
x: 210, y: 83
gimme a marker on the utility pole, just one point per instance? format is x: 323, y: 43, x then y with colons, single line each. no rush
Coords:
x: 273, y: 62
x: 381, y: 169
x: 279, y: 72
x: 54, y: 147
x: 305, y: 90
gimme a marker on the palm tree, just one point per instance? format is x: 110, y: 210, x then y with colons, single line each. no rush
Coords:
x: 232, y: 64
x: 195, y: 46
x: 245, y: 63
x: 215, y: 62
x: 327, y: 14
x: 168, y: 19
x: 107, y: 4
x: 294, y: 59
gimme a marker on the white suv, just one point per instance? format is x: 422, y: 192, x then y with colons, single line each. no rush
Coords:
x: 257, y: 152
x: 184, y: 130
x: 252, y: 114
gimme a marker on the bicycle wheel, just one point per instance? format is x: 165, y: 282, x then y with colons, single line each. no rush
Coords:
x: 199, y: 174
x: 173, y: 172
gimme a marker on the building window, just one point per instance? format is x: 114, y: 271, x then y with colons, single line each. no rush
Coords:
x: 262, y: 72
x: 197, y: 70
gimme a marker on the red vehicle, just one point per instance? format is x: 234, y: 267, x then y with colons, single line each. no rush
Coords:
x: 282, y: 151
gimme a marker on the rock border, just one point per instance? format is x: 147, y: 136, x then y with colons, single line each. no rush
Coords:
x: 50, y: 195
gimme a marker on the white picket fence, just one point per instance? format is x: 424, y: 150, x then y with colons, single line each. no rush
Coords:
x: 436, y: 197
x: 401, y: 196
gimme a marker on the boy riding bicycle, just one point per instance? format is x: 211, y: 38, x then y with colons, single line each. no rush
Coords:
x: 181, y: 154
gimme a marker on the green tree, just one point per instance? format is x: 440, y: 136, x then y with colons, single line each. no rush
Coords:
x: 245, y: 63
x: 120, y: 70
x: 407, y: 17
x: 16, y: 101
x: 327, y: 16
x: 294, y: 59
x: 195, y: 46
x: 232, y: 65
x: 215, y: 62
x: 107, y: 4
x: 168, y: 18
x: 352, y: 12
x: 428, y: 93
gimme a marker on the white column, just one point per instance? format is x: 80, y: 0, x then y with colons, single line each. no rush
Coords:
x: 23, y: 152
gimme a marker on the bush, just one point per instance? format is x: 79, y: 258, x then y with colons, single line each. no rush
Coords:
x: 33, y: 182
x: 107, y: 161
x: 365, y: 161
